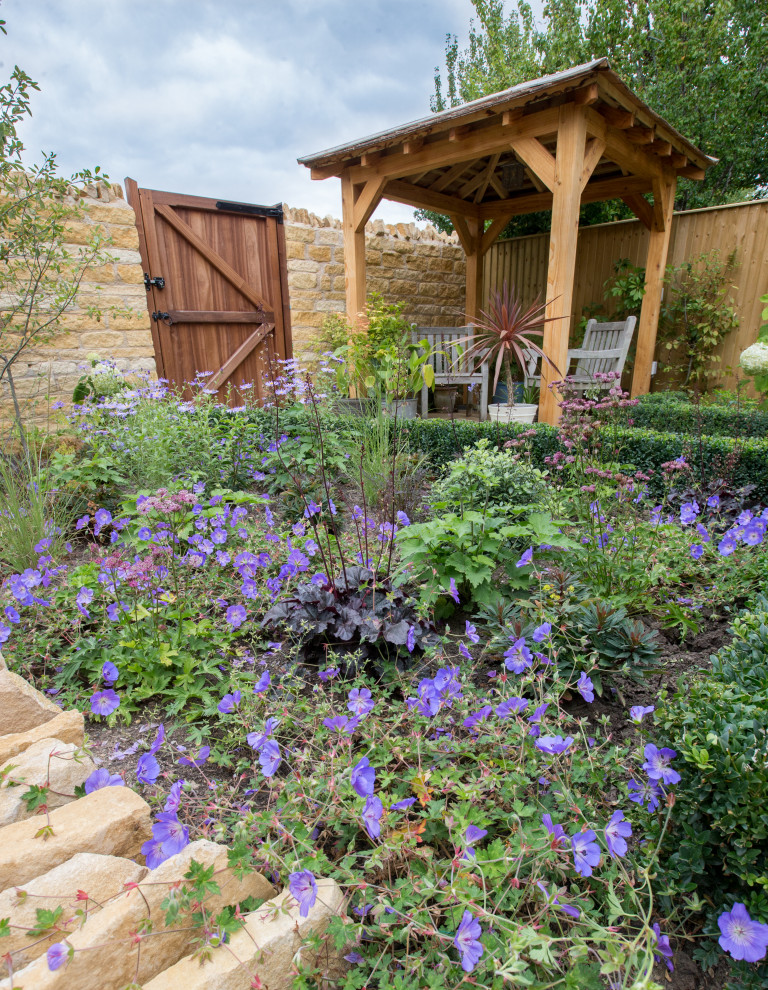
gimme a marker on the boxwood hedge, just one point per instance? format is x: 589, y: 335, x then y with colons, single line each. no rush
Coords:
x: 673, y: 411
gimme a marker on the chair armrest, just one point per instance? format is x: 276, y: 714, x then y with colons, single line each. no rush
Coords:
x: 579, y: 352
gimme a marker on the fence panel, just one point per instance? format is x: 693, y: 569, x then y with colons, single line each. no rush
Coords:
x: 741, y: 227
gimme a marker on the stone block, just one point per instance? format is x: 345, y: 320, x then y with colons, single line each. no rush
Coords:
x: 131, y: 273
x: 46, y: 763
x: 124, y: 237
x: 136, y: 320
x: 334, y: 269
x: 101, y: 341
x: 302, y: 265
x: 113, y: 821
x: 319, y: 252
x: 294, y: 233
x: 328, y: 235
x: 302, y: 280
x: 295, y: 249
x: 110, y: 962
x: 21, y: 706
x: 121, y: 215
x: 264, y: 949
x: 79, y: 233
x: 307, y: 319
x: 372, y: 257
x: 99, y: 273
x: 100, y: 877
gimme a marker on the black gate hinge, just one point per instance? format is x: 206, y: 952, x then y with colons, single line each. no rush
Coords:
x: 162, y: 317
x: 158, y: 281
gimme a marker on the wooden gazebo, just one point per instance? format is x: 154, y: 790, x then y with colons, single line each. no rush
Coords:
x: 574, y: 137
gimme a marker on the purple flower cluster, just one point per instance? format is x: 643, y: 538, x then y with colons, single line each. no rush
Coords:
x: 169, y: 835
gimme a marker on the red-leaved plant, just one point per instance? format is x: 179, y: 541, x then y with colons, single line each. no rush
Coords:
x: 502, y: 336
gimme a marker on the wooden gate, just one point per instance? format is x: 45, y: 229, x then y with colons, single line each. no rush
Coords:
x: 217, y: 288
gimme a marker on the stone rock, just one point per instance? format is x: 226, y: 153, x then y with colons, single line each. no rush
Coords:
x: 62, y: 772
x: 21, y: 706
x: 264, y: 948
x: 101, y: 877
x: 113, y: 821
x: 66, y: 726
x: 110, y: 962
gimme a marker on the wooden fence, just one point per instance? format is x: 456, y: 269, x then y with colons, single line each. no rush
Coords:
x: 742, y: 227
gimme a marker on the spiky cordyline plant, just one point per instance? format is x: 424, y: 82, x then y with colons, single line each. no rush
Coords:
x: 502, y: 336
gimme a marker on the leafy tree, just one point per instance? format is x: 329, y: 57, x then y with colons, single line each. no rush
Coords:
x: 701, y: 64
x: 40, y: 274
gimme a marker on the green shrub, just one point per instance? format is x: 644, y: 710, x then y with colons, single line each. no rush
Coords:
x: 486, y: 476
x: 646, y: 450
x: 672, y: 410
x: 718, y: 839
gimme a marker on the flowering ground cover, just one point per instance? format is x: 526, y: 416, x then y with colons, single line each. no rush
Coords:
x: 465, y: 709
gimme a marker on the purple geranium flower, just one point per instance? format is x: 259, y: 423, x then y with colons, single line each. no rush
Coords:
x: 410, y: 639
x: 174, y: 797
x: 236, y: 616
x: 198, y: 760
x: 105, y: 702
x: 526, y: 559
x: 663, y: 947
x: 170, y: 832
x: 742, y: 937
x: 696, y: 550
x: 304, y: 888
x: 657, y: 764
x: 617, y: 831
x: 556, y: 832
x: 5, y: 632
x: 510, y: 706
x: 402, y: 805
x: 57, y: 955
x: 471, y: 632
x: 372, y: 813
x: 638, y: 712
x: 553, y: 745
x: 586, y: 852
x: 472, y: 834
x: 229, y: 703
x: 541, y: 632
x: 586, y: 688
x: 360, y: 701
x: 147, y: 769
x: 467, y: 941
x: 109, y: 672
x: 103, y: 778
x: 453, y: 591
x: 363, y: 778
x: 269, y: 757
x: 84, y: 597
x: 102, y: 518
x: 646, y: 792
x: 343, y: 724
x: 518, y: 656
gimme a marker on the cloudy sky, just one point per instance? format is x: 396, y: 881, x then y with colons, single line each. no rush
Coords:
x: 219, y: 97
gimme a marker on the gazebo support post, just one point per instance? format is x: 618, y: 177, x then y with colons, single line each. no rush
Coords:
x: 566, y: 201
x: 474, y: 277
x: 354, y: 252
x: 655, y: 266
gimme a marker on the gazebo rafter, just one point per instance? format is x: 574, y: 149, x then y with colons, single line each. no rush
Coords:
x: 574, y: 137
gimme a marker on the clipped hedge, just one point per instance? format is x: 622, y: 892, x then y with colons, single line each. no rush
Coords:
x: 672, y: 410
x: 646, y: 450
x: 718, y: 837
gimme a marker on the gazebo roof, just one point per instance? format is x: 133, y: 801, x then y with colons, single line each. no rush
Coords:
x: 433, y: 145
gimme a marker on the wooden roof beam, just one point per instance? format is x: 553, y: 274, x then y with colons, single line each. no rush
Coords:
x: 641, y: 208
x: 620, y: 150
x: 450, y: 176
x: 531, y: 151
x: 622, y: 119
x: 594, y: 192
x: 478, y: 143
x: 692, y: 172
x: 326, y: 171
x: 640, y: 135
x: 586, y: 95
x: 490, y: 169
x: 425, y: 199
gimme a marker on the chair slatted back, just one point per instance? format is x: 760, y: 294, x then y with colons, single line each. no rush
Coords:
x: 604, y: 337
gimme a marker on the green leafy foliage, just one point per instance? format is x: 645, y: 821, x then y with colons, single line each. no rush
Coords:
x: 718, y: 841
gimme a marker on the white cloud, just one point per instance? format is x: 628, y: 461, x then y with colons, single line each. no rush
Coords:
x: 220, y: 98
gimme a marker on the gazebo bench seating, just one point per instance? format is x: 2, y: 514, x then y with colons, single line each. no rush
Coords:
x: 604, y: 350
x: 450, y: 367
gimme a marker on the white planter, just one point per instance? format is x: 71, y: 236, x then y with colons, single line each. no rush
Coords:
x: 521, y: 412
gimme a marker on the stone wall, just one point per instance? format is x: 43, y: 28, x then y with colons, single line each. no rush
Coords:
x: 420, y: 267
x: 122, y: 334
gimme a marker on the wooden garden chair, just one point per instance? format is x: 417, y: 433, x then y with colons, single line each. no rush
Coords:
x: 604, y: 350
x: 452, y: 368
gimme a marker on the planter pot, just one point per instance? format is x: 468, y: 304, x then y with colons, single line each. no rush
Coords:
x: 445, y: 398
x: 352, y: 407
x: 402, y: 408
x: 523, y: 412
x: 500, y: 396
